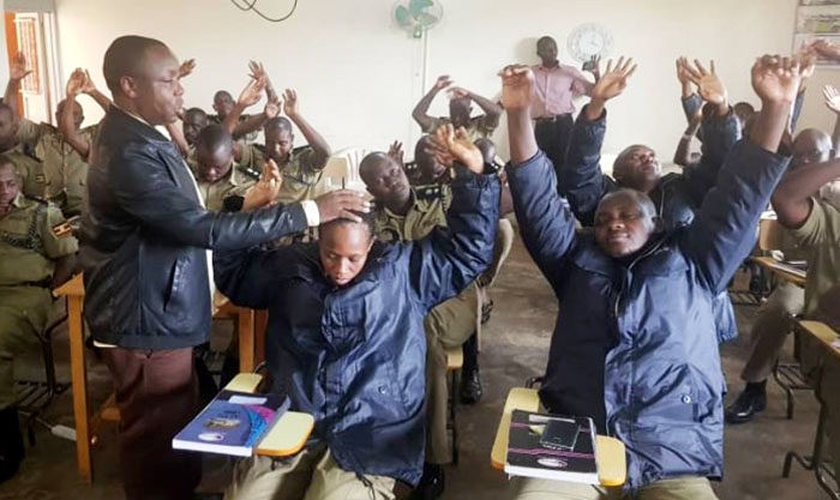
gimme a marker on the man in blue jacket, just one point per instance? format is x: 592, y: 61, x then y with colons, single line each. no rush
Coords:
x: 635, y: 343
x: 675, y: 196
x: 145, y: 251
x: 346, y: 340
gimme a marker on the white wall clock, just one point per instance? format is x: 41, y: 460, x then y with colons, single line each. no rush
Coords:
x: 588, y: 40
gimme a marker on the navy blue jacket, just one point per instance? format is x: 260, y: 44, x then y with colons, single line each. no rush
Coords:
x: 676, y: 197
x: 354, y: 357
x: 144, y: 239
x: 635, y: 344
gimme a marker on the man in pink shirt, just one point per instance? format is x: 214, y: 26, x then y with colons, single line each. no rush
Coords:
x: 556, y: 87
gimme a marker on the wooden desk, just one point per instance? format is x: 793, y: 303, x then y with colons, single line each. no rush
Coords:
x: 87, y: 423
x: 610, y: 454
x: 774, y: 267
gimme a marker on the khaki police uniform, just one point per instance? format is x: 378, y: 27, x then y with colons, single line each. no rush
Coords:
x: 300, y: 175
x: 32, y: 236
x: 236, y: 183
x: 64, y: 169
x: 449, y: 324
x: 479, y: 127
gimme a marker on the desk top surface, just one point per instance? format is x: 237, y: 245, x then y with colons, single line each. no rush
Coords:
x: 797, y: 278
x: 824, y: 333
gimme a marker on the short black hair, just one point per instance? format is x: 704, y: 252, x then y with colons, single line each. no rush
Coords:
x: 212, y: 137
x: 6, y: 162
x: 367, y: 222
x: 223, y: 94
x: 125, y: 57
x: 195, y: 111
x: 280, y: 123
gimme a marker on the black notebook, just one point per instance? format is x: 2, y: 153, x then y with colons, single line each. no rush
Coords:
x: 552, y: 447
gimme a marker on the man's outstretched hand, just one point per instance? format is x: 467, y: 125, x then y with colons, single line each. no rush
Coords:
x: 517, y: 87
x: 776, y: 79
x: 612, y: 84
x: 343, y: 203
x: 450, y: 145
x: 264, y: 192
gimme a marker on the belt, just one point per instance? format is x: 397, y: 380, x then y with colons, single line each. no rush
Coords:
x: 551, y: 119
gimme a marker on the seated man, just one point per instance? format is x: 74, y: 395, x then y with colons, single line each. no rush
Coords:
x: 675, y: 196
x: 460, y: 111
x: 229, y: 112
x: 815, y: 224
x: 635, y: 344
x: 217, y: 175
x: 402, y: 216
x: 63, y: 150
x: 300, y: 168
x: 195, y: 119
x: 771, y: 326
x: 345, y: 340
x: 36, y: 254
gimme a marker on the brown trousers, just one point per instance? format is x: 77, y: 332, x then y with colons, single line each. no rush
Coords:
x: 157, y: 395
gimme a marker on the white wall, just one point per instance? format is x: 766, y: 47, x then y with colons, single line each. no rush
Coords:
x: 359, y: 76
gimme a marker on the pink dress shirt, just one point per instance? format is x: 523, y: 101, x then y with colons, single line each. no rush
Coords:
x: 556, y: 88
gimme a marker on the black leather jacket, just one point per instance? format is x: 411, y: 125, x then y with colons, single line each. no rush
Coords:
x: 144, y: 239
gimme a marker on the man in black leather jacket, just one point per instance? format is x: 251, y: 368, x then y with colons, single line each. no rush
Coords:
x: 145, y: 250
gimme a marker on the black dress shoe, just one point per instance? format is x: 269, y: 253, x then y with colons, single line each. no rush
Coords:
x: 471, y: 390
x: 748, y: 403
x: 431, y: 484
x: 11, y: 444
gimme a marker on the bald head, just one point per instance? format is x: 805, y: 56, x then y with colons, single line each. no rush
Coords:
x: 214, y: 153
x: 638, y: 168
x: 385, y: 179
x: 547, y: 50
x: 811, y: 146
x: 78, y: 113
x: 222, y: 103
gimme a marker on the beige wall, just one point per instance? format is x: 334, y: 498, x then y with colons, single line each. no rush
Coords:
x: 359, y: 76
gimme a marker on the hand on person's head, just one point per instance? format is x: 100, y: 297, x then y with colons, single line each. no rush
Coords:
x: 517, y: 87
x: 76, y: 82
x: 343, y: 203
x: 252, y: 92
x: 614, y: 80
x: 186, y: 68
x: 776, y: 79
x: 709, y: 84
x: 18, y: 69
x: 442, y: 82
x: 832, y: 98
x: 396, y: 152
x: 450, y: 144
x: 290, y: 103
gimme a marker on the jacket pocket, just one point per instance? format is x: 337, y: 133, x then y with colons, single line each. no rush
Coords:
x: 174, y: 286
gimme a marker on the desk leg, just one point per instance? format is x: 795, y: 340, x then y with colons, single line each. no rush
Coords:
x: 260, y: 329
x: 78, y: 376
x: 246, y: 340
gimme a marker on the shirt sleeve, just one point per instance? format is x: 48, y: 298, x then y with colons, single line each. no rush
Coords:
x: 580, y: 85
x: 29, y: 131
x: 58, y: 239
x: 820, y: 224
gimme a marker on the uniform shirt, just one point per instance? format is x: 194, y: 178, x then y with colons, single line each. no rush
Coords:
x: 300, y: 174
x: 32, y: 237
x: 424, y: 215
x: 556, y: 88
x: 820, y: 233
x: 65, y: 171
x: 235, y: 183
x: 247, y: 138
x: 478, y: 127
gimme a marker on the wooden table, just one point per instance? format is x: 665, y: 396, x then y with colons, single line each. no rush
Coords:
x: 87, y: 423
x: 781, y: 271
x: 610, y: 453
x: 826, y: 338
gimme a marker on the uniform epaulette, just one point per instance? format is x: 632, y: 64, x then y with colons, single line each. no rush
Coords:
x: 430, y: 192
x: 249, y: 172
x: 67, y: 228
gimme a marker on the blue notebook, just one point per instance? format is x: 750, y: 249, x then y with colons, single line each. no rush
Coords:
x: 232, y: 424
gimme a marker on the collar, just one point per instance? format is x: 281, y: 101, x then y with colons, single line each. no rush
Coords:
x: 129, y: 113
x: 18, y: 201
x: 415, y: 206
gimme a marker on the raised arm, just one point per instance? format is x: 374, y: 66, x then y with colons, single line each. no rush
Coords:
x: 723, y: 232
x: 320, y: 149
x: 832, y: 102
x: 258, y: 71
x: 17, y: 72
x: 249, y: 96
x: 581, y: 180
x: 421, y: 110
x: 546, y: 224
x: 492, y: 111
x: 682, y: 156
x: 66, y: 122
x: 249, y: 277
x: 90, y: 89
x: 447, y: 260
